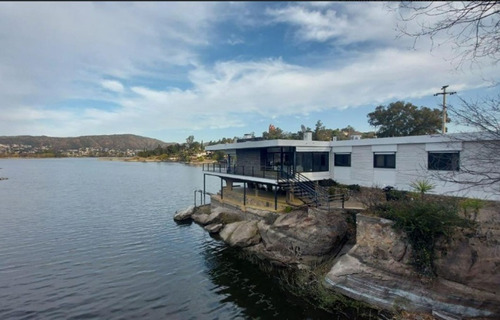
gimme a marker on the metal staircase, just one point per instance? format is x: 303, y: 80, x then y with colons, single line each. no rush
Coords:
x: 307, y: 190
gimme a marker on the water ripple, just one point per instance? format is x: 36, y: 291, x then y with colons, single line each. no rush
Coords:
x: 96, y: 240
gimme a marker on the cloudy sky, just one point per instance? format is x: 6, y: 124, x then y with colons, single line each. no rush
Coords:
x: 168, y: 70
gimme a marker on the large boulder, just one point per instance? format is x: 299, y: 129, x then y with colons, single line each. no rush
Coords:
x: 301, y: 233
x: 184, y: 214
x: 240, y: 234
x: 215, y: 216
x: 473, y: 261
x: 214, y: 227
x: 387, y: 290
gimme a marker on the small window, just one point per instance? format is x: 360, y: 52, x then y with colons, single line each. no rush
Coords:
x: 342, y: 160
x: 446, y: 161
x: 384, y: 160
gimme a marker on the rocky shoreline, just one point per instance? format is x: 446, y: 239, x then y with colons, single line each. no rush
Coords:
x: 370, y: 260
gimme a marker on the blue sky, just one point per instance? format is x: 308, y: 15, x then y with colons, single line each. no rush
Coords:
x: 168, y: 70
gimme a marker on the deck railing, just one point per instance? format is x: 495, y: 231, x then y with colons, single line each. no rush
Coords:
x: 249, y: 171
x: 296, y: 182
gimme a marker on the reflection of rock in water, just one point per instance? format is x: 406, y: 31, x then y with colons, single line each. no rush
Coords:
x: 267, y: 291
x: 258, y: 293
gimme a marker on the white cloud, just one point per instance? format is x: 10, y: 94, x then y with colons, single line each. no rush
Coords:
x: 113, y: 85
x: 50, y: 49
x: 345, y: 23
x: 52, y: 53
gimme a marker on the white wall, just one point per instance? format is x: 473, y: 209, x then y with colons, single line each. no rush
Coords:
x: 411, y: 165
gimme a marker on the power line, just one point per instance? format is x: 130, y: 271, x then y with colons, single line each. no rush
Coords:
x: 444, y: 93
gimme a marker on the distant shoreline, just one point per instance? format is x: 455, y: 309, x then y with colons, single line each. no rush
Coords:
x: 126, y: 159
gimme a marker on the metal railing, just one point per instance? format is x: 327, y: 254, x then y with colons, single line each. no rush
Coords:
x: 295, y: 182
x: 266, y: 172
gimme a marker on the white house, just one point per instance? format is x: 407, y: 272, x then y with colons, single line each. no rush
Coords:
x: 378, y: 162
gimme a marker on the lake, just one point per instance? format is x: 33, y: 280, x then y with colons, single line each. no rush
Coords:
x: 93, y: 239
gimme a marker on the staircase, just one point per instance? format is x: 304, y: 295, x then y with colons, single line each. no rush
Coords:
x: 307, y: 190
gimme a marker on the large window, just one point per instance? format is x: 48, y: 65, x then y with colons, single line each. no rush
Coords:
x: 342, y: 160
x: 275, y: 157
x: 312, y: 161
x: 384, y: 160
x: 446, y: 161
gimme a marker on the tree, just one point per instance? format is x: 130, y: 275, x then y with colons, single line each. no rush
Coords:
x: 276, y: 133
x: 405, y: 119
x: 474, y: 29
x: 321, y: 133
x: 482, y: 167
x: 471, y: 26
x: 189, y: 141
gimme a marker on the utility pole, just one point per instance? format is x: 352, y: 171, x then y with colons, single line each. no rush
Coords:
x: 444, y: 93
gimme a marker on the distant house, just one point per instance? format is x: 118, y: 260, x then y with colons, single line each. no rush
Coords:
x: 377, y: 162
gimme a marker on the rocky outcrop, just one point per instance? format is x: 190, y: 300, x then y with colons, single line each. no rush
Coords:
x: 297, y: 237
x: 241, y: 234
x: 377, y: 270
x: 471, y: 259
x: 302, y: 236
x: 214, y: 227
x: 185, y: 214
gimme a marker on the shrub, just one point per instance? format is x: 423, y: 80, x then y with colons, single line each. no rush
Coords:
x: 354, y: 187
x: 328, y: 183
x: 473, y: 204
x: 339, y: 191
x: 423, y: 222
x: 422, y: 187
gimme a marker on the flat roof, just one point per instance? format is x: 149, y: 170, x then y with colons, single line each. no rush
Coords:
x: 268, y: 144
x: 433, y: 138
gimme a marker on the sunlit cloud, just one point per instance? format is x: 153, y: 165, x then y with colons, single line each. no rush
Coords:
x: 170, y: 67
x: 113, y: 85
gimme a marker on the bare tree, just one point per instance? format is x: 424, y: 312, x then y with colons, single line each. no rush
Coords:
x: 481, y: 167
x: 472, y: 26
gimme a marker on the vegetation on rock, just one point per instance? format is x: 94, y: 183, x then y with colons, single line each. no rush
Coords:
x: 424, y: 222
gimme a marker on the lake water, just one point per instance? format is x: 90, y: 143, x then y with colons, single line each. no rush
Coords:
x: 92, y: 239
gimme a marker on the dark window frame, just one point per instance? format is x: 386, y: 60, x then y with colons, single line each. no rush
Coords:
x: 313, y: 161
x: 443, y: 161
x: 388, y: 160
x: 342, y: 159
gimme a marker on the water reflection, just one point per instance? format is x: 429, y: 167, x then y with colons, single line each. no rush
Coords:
x: 257, y: 293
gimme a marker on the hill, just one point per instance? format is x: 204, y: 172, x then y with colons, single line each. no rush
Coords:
x: 116, y: 141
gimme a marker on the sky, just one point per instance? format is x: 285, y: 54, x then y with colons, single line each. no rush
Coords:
x: 169, y: 70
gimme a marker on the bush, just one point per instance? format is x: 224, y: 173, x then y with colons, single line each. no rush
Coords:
x: 354, y: 187
x: 423, y: 222
x: 471, y: 204
x: 339, y: 191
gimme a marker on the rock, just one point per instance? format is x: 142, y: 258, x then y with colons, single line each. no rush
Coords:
x: 473, y: 261
x: 184, y: 214
x: 386, y: 290
x: 214, y: 227
x: 217, y: 215
x: 241, y: 234
x: 377, y: 270
x: 379, y: 243
x: 301, y: 233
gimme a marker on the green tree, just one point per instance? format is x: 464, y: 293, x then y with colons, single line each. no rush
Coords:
x: 405, y: 119
x: 275, y: 133
x: 321, y: 133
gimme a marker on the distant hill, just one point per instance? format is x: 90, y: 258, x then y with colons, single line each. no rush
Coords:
x: 115, y: 141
